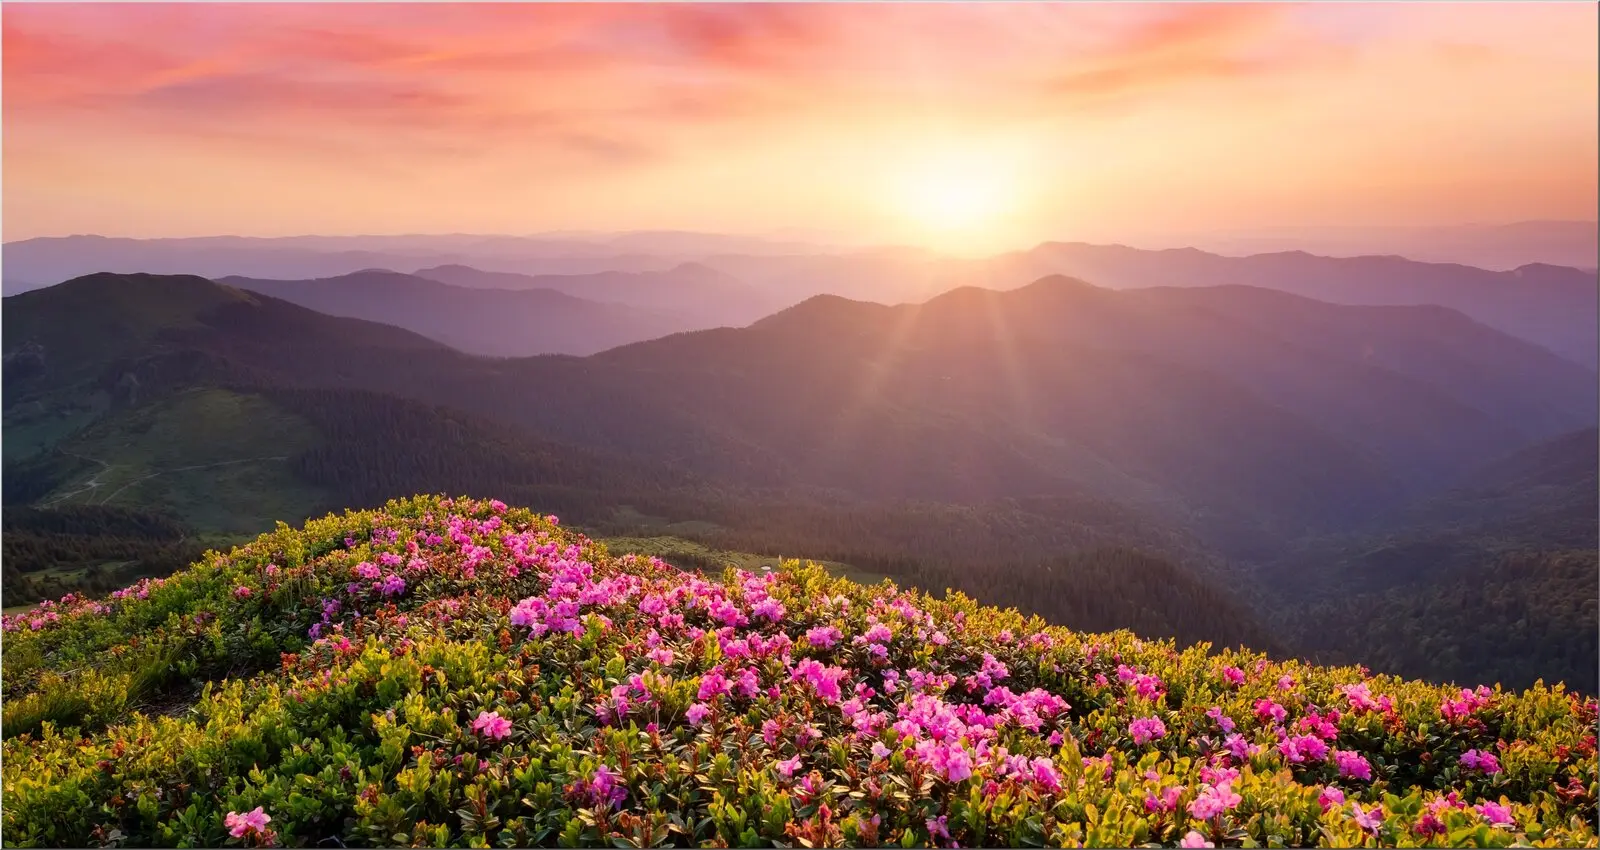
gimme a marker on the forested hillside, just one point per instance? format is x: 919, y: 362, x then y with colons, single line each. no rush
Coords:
x: 1296, y: 466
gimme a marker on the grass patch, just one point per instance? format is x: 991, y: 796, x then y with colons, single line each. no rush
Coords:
x: 216, y: 458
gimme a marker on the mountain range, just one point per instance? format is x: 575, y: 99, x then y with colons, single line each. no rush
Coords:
x: 973, y: 439
x: 703, y: 281
x: 492, y: 322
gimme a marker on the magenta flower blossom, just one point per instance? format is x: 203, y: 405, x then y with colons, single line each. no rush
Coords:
x: 1352, y: 765
x: 1213, y: 801
x: 1480, y: 761
x: 602, y: 790
x: 1233, y: 675
x: 1267, y: 709
x: 771, y: 609
x: 824, y: 679
x: 1370, y: 820
x: 241, y: 592
x: 787, y: 769
x: 1303, y: 748
x: 1360, y: 697
x: 1458, y: 710
x: 1223, y: 721
x: 1496, y: 814
x: 255, y: 820
x: 713, y: 685
x: 1147, y: 729
x: 491, y: 725
x: 1195, y: 839
x: 1046, y: 774
x: 1330, y: 798
x: 697, y: 713
x: 1166, y: 802
x: 1239, y: 748
x: 823, y: 636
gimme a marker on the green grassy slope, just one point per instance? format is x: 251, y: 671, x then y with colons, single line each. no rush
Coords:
x: 218, y: 459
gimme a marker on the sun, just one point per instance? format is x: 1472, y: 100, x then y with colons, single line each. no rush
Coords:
x: 956, y: 199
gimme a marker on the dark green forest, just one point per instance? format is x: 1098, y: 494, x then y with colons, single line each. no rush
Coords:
x: 49, y: 552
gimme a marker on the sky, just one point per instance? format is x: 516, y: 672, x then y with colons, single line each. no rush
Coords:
x: 960, y: 126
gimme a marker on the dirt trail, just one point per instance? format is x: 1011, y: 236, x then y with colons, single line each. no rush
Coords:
x: 93, y: 482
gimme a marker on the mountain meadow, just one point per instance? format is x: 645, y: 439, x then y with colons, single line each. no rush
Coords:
x: 449, y: 672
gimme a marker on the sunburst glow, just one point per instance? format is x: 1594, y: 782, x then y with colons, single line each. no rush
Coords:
x: 957, y: 198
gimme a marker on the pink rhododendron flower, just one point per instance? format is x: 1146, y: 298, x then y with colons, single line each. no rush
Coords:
x: 1146, y: 729
x: 492, y: 725
x: 1370, y: 820
x: 1222, y: 720
x: 1352, y: 764
x: 1330, y: 798
x: 823, y: 636
x: 1303, y: 748
x: 255, y: 820
x: 770, y: 609
x: 241, y: 592
x: 787, y: 769
x: 1195, y: 839
x: 1166, y: 802
x: 1266, y: 709
x: 1496, y: 814
x: 1239, y: 748
x: 393, y: 585
x: 1213, y: 801
x: 1233, y: 676
x: 1360, y: 697
x: 697, y: 713
x: 713, y: 685
x: 1480, y: 761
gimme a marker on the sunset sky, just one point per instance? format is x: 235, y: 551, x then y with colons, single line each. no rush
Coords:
x: 973, y: 127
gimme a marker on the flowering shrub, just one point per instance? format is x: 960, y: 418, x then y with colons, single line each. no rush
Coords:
x: 458, y: 673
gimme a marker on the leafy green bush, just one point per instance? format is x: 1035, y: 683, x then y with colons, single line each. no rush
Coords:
x: 456, y: 673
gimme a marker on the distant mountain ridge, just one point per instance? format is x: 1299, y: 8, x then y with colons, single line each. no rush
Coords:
x: 1499, y: 247
x: 703, y: 296
x: 492, y: 322
x: 1548, y: 304
x: 1553, y: 306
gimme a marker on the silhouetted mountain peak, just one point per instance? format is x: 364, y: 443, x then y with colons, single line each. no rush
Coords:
x: 1054, y: 283
x: 823, y: 313
x: 111, y: 292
